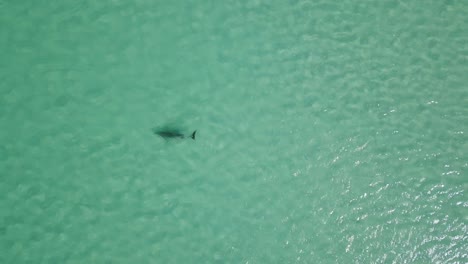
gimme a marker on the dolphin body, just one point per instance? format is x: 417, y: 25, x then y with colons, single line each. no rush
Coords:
x: 173, y: 133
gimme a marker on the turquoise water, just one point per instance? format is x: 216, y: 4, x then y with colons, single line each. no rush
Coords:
x: 328, y: 132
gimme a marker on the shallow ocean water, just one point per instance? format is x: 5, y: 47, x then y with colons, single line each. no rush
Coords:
x: 327, y: 132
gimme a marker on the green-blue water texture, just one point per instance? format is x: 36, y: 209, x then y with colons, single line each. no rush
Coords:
x: 328, y: 131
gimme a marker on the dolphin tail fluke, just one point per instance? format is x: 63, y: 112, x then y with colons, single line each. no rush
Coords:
x: 193, y: 135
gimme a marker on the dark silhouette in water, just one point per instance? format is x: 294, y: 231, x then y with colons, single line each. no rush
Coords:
x: 168, y: 133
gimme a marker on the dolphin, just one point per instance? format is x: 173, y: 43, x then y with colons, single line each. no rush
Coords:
x: 173, y: 133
